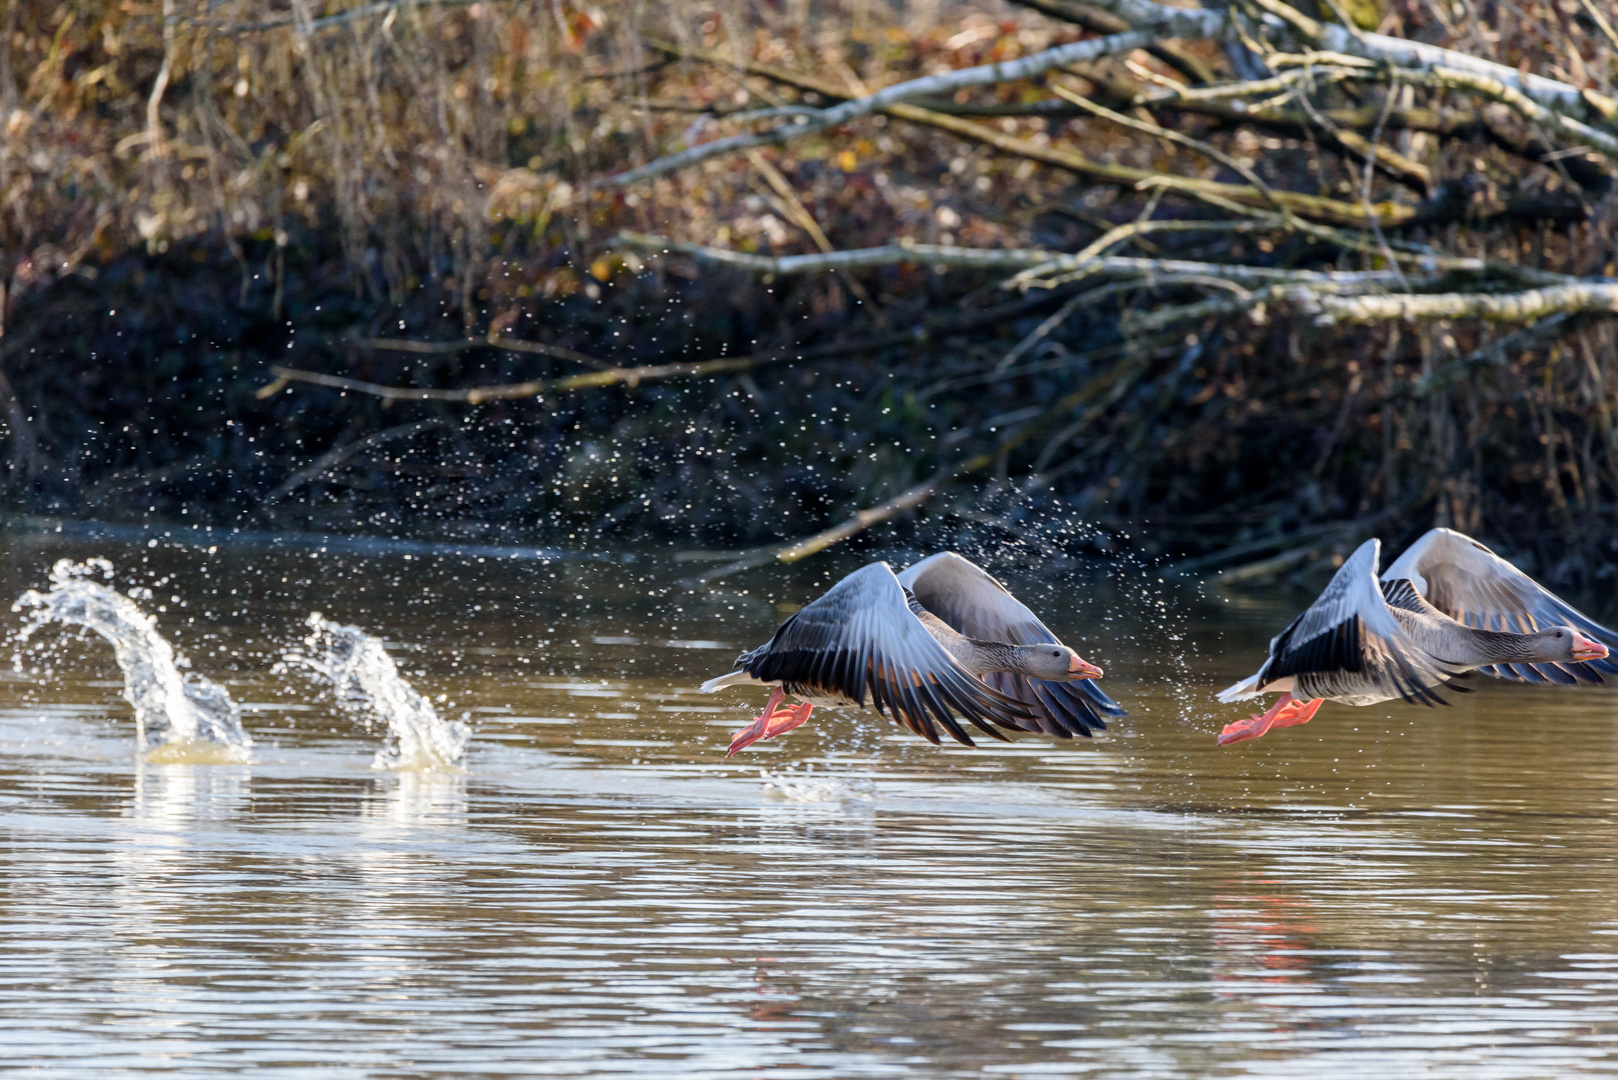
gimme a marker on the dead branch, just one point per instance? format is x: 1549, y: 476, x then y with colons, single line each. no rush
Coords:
x: 984, y: 75
x: 1315, y: 207
x: 335, y: 457
x: 916, y: 335
x: 1045, y: 261
x: 1379, y: 48
x: 1498, y: 352
x: 1117, y: 380
x: 493, y: 341
x: 1574, y: 298
x: 1101, y: 22
x: 477, y: 395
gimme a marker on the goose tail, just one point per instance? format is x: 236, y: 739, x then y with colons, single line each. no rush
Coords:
x: 1247, y: 688
x: 735, y: 678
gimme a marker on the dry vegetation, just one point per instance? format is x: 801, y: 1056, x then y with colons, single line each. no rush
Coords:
x: 389, y: 263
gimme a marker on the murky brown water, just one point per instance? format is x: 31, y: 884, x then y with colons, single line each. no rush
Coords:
x: 1386, y: 892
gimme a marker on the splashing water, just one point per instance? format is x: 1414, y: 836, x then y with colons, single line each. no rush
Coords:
x: 789, y: 785
x: 184, y: 718
x: 368, y: 685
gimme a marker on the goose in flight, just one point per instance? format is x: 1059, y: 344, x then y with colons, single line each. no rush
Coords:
x: 1447, y: 606
x: 941, y: 640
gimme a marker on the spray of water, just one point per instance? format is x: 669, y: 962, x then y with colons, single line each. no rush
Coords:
x: 179, y: 717
x: 368, y: 685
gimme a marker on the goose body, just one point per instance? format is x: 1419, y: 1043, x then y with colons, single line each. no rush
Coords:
x: 942, y: 642
x: 1447, y: 606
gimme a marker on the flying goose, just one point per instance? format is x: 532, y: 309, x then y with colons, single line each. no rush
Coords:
x: 1447, y: 606
x: 941, y: 640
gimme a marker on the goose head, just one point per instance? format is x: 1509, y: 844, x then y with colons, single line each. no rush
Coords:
x: 1056, y: 663
x: 1565, y: 644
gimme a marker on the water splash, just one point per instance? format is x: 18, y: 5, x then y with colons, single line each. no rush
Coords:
x: 791, y: 785
x: 368, y: 685
x: 182, y: 717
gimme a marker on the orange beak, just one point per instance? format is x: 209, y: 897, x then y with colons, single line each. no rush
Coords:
x: 1585, y: 649
x: 1083, y: 669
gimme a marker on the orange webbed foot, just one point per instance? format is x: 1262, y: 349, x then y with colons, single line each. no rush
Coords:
x: 1284, y: 713
x: 771, y: 722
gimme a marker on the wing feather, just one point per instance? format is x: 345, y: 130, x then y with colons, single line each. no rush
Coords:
x: 1476, y: 587
x: 1349, y: 644
x: 971, y: 601
x: 860, y: 641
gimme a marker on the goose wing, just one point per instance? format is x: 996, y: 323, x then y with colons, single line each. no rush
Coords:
x: 1349, y: 644
x: 966, y: 597
x: 1477, y: 588
x: 861, y: 639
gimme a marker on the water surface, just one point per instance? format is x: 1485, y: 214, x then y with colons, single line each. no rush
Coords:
x: 1386, y: 891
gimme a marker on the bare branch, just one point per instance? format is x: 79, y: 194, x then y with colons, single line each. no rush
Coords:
x: 914, y: 335
x: 1498, y: 351
x: 1412, y: 55
x: 1050, y: 261
x: 333, y: 458
x: 1315, y: 207
x: 983, y: 75
x: 1577, y: 297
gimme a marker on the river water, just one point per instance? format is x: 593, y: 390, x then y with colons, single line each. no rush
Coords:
x: 1388, y: 891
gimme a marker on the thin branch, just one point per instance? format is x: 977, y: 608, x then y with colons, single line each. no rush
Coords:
x: 477, y: 395
x: 333, y: 458
x: 1314, y: 207
x: 1601, y: 23
x: 493, y: 341
x: 1484, y: 86
x: 927, y: 330
x: 1178, y: 139
x: 1122, y: 375
x: 1411, y: 55
x: 1101, y: 22
x: 338, y: 19
x: 1018, y: 258
x: 1497, y: 352
x: 983, y: 75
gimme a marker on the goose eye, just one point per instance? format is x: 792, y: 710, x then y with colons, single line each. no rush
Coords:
x: 1559, y: 633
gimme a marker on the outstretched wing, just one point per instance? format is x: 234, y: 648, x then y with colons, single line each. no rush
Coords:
x: 861, y: 638
x: 1349, y: 644
x: 963, y: 594
x: 1477, y: 588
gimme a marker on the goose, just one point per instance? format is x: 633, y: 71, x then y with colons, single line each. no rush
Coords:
x: 1445, y: 607
x: 941, y: 640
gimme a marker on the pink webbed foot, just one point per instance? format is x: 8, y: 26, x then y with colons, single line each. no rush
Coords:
x: 771, y: 722
x: 1286, y: 712
x: 1300, y: 713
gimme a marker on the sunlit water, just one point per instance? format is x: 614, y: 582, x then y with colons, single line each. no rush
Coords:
x: 1386, y: 891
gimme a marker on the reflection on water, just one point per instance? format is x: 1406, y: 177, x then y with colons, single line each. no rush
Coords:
x: 1387, y: 891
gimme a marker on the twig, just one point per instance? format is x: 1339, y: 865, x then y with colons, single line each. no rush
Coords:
x: 820, y: 541
x: 1017, y: 258
x: 984, y: 75
x: 494, y: 341
x: 333, y: 458
x: 1276, y: 564
x: 864, y: 519
x: 1158, y: 131
x: 1101, y: 22
x: 1411, y: 55
x: 1316, y: 207
x: 1215, y: 559
x: 915, y: 335
x: 1602, y: 142
x: 1601, y: 22
x: 1496, y: 352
